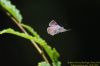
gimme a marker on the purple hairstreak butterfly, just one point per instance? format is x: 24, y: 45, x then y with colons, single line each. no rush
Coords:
x: 54, y: 28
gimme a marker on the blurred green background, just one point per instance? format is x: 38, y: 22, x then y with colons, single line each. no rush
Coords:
x: 79, y: 44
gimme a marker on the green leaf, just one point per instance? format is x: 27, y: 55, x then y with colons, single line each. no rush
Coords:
x: 43, y: 64
x: 11, y: 31
x: 23, y: 35
x: 11, y: 9
x: 37, y: 38
x: 57, y: 63
x: 15, y: 13
x: 31, y: 30
x: 53, y: 54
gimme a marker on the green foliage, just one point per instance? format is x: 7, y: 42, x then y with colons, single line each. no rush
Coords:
x: 11, y: 31
x: 12, y: 10
x: 31, y: 30
x: 53, y: 54
x: 47, y: 64
x: 58, y: 63
x: 43, y: 64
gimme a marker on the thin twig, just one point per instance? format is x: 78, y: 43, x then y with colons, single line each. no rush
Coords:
x: 32, y: 41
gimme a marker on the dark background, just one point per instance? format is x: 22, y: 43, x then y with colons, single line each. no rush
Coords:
x: 79, y: 44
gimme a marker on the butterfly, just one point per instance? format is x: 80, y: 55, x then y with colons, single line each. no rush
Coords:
x: 54, y: 28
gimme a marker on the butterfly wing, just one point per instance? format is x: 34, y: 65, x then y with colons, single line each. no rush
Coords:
x: 51, y: 31
x: 53, y: 23
x: 54, y: 28
x: 62, y: 29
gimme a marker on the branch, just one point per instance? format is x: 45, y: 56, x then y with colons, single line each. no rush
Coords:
x: 32, y: 41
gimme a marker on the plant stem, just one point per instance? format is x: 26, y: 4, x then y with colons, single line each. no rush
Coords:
x: 32, y: 41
